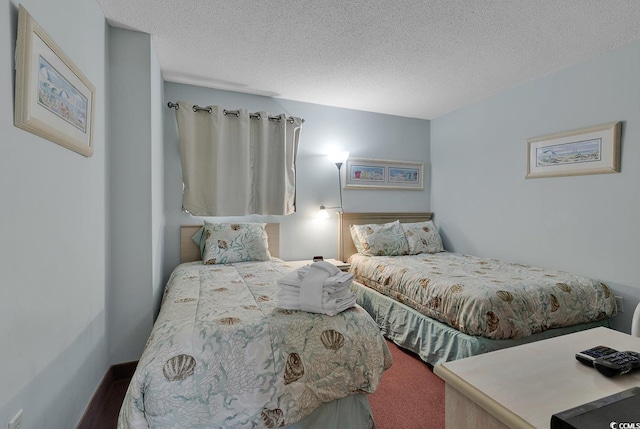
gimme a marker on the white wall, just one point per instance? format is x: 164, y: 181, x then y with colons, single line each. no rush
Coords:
x: 363, y: 134
x: 583, y: 224
x: 53, y: 229
x: 135, y: 191
x: 157, y: 179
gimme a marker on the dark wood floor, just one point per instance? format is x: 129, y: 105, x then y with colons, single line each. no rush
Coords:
x: 103, y: 410
x: 107, y: 416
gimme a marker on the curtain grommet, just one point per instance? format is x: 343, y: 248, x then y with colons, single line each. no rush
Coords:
x: 231, y: 112
x: 209, y: 109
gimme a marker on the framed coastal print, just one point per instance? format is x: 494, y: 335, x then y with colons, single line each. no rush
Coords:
x: 381, y: 174
x: 54, y: 100
x: 594, y: 150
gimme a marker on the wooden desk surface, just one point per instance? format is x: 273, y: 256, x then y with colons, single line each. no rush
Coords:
x: 523, y: 386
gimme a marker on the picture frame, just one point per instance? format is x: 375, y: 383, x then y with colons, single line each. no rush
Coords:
x: 364, y: 173
x: 53, y: 99
x: 593, y: 150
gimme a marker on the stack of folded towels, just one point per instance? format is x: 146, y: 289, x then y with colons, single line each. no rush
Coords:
x: 318, y: 288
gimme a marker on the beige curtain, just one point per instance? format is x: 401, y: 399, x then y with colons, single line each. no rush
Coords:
x: 233, y: 164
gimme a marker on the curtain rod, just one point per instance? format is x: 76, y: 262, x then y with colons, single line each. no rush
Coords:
x: 227, y: 112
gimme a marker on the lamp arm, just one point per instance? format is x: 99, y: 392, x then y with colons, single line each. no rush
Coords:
x: 339, y: 165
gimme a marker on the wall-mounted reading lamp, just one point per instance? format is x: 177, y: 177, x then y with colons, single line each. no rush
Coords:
x: 338, y: 158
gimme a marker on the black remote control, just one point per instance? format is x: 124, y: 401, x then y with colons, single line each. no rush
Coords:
x: 617, y: 363
x: 588, y: 356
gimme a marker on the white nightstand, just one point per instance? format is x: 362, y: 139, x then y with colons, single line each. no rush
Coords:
x: 344, y: 266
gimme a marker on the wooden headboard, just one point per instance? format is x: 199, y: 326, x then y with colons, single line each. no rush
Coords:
x: 190, y: 251
x: 346, y: 247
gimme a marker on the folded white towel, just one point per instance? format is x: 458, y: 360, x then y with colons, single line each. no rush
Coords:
x: 291, y: 279
x: 326, y: 298
x: 294, y: 278
x: 312, y: 285
x: 327, y: 293
x: 319, y: 288
x: 331, y: 307
x: 326, y: 266
x: 337, y: 279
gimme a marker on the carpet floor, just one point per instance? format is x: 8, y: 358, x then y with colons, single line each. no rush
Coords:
x: 410, y: 396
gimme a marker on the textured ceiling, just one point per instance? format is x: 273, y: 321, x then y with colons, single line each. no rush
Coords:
x: 418, y: 59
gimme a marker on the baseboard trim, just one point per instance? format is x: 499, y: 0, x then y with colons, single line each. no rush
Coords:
x: 114, y: 373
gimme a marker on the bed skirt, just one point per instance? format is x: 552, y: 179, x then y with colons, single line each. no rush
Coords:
x: 434, y: 341
x: 352, y: 411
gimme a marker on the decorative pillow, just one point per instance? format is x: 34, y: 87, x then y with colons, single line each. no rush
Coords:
x: 386, y: 239
x: 356, y: 239
x: 199, y: 239
x: 226, y: 243
x: 423, y: 237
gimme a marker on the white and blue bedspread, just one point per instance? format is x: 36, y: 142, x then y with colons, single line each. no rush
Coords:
x: 221, y: 355
x: 486, y: 297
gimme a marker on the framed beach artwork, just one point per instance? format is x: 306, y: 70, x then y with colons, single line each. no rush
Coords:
x: 54, y: 100
x: 594, y: 150
x: 380, y: 174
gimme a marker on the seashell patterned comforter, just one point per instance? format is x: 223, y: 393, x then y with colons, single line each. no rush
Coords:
x: 221, y: 355
x: 486, y: 297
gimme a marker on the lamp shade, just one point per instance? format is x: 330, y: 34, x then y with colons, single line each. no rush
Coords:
x: 339, y: 156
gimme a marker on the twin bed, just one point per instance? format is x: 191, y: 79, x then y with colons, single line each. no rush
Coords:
x: 221, y: 354
x: 446, y: 306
